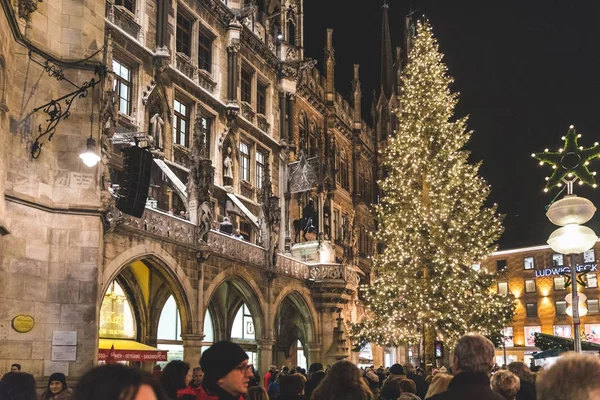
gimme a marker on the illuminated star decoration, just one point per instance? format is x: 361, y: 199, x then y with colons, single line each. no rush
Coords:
x: 570, y: 162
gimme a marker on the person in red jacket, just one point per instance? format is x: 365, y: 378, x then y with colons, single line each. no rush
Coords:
x: 226, y: 372
x: 267, y: 378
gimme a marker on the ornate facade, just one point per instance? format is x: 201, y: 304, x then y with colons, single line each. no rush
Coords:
x: 240, y: 126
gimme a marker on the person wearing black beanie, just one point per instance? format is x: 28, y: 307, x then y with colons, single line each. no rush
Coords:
x: 226, y: 372
x: 57, y: 388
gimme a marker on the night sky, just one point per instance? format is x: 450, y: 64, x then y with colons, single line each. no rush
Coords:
x: 525, y: 71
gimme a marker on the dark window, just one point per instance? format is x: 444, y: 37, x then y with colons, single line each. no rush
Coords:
x: 312, y: 141
x: 181, y: 123
x: 246, y: 86
x: 291, y: 33
x: 244, y: 162
x: 261, y: 158
x: 530, y: 286
x: 500, y: 265
x: 261, y: 98
x: 205, y: 51
x: 531, y: 310
x: 361, y: 182
x: 367, y: 187
x: 561, y: 307
x: 122, y: 86
x: 344, y: 170
x: 183, y: 36
x: 128, y: 4
x: 336, y: 225
x: 206, y: 123
x: 303, y: 133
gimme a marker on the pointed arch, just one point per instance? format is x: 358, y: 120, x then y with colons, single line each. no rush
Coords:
x: 304, y: 305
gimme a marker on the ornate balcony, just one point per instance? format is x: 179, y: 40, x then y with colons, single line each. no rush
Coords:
x: 247, y: 111
x: 185, y: 65
x: 291, y: 267
x: 333, y: 285
x: 235, y: 249
x: 123, y: 18
x: 162, y: 224
x: 263, y: 125
x: 247, y: 190
x: 206, y: 80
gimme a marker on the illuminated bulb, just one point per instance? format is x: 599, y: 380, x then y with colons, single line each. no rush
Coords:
x: 554, y: 167
x: 547, y: 178
x: 578, y: 136
x: 562, y: 138
x: 594, y: 185
x: 545, y: 190
x: 580, y: 147
x: 594, y: 173
x: 569, y: 175
x: 541, y: 163
x: 596, y: 144
x: 559, y: 184
x: 580, y: 183
x: 560, y: 150
x: 571, y: 126
x: 532, y: 154
x: 587, y: 163
x: 546, y: 150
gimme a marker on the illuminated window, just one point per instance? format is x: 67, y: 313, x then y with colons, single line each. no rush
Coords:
x: 122, y: 86
x: 508, y: 337
x: 592, y: 306
x: 561, y: 307
x: 476, y: 267
x: 116, y: 314
x: 169, y: 331
x: 559, y: 283
x: 530, y: 286
x: 557, y: 260
x: 531, y: 310
x: 563, y: 331
x: 502, y: 287
x: 528, y: 263
x: 300, y: 357
x: 243, y: 324
x: 592, y: 280
x: 589, y: 256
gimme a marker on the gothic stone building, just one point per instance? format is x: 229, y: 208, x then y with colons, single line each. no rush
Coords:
x: 200, y: 110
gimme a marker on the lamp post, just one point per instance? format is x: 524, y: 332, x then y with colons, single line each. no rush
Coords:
x: 570, y: 165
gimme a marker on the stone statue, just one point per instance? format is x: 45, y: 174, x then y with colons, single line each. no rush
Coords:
x: 205, y: 221
x: 274, y: 243
x: 228, y: 168
x: 157, y: 130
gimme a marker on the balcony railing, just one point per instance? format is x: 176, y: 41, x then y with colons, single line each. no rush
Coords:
x: 123, y: 18
x: 334, y: 272
x: 185, y: 65
x: 263, y: 125
x: 162, y: 224
x: 291, y: 267
x: 247, y: 111
x: 236, y: 249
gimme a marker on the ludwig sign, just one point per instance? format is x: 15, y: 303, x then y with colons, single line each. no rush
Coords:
x: 588, y: 267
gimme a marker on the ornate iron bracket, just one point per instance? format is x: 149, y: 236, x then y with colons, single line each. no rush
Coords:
x: 52, y: 71
x: 55, y: 113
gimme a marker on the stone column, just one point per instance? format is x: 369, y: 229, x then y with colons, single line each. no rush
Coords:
x: 265, y: 355
x: 314, y: 353
x: 288, y: 239
x: 290, y: 121
x: 282, y: 114
x: 233, y: 49
x: 192, y: 348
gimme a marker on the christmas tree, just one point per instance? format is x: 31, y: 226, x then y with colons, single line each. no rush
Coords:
x: 433, y: 221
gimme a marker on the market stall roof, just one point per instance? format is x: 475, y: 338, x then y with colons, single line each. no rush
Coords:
x: 550, y: 345
x: 129, y: 350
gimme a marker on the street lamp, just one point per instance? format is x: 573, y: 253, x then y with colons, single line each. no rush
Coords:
x: 570, y: 164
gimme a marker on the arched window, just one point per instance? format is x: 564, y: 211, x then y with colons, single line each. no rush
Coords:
x: 169, y: 330
x: 312, y: 141
x: 291, y: 33
x: 338, y: 167
x: 344, y: 169
x: 209, y: 332
x: 242, y: 331
x: 116, y: 315
x: 300, y: 357
x: 303, y: 134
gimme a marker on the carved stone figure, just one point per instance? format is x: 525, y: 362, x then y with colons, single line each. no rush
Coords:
x: 106, y: 149
x: 157, y: 130
x: 228, y: 168
x: 205, y: 221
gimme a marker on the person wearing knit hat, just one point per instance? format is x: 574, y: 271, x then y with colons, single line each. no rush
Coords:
x: 226, y: 372
x: 57, y: 388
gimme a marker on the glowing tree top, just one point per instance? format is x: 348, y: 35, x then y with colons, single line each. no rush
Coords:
x: 570, y: 163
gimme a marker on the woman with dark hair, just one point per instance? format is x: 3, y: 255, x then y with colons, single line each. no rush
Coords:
x: 175, y: 379
x: 291, y: 387
x: 57, y: 388
x: 17, y: 386
x: 117, y: 382
x: 344, y: 381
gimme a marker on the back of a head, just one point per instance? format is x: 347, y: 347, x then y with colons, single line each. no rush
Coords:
x: 291, y: 384
x: 408, y: 385
x: 17, y: 386
x: 574, y: 376
x: 506, y: 384
x: 343, y: 382
x: 475, y: 353
x: 257, y: 393
x: 522, y: 371
x: 439, y: 383
x: 391, y: 390
x: 315, y: 367
x: 115, y: 382
x: 409, y: 368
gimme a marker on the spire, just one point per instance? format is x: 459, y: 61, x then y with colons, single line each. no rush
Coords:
x: 387, y: 69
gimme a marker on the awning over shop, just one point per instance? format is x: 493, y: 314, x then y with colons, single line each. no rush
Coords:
x: 177, y: 184
x: 247, y: 213
x: 130, y: 350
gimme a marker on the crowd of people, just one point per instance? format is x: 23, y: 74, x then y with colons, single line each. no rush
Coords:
x: 226, y: 374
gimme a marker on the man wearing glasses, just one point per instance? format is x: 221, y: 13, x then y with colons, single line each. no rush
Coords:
x: 226, y: 372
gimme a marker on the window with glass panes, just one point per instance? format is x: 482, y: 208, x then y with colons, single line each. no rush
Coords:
x: 243, y: 324
x: 561, y: 307
x: 592, y: 306
x: 528, y: 263
x: 261, y: 98
x: 183, y: 35
x: 502, y: 287
x: 336, y: 225
x: 500, y: 265
x: 122, y: 86
x: 206, y: 123
x: 128, y: 4
x: 592, y: 281
x: 531, y: 310
x: 205, y: 41
x: 557, y: 260
x: 246, y: 85
x: 559, y: 283
x: 530, y: 286
x: 181, y: 123
x: 344, y: 169
x: 244, y: 162
x: 260, y: 168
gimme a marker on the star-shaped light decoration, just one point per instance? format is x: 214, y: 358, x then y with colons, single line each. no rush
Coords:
x: 570, y: 163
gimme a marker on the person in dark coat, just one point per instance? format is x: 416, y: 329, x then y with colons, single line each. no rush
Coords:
x: 292, y: 387
x: 17, y: 386
x: 472, y: 364
x: 527, y: 379
x: 57, y: 388
x: 411, y: 373
x: 226, y: 227
x: 315, y: 376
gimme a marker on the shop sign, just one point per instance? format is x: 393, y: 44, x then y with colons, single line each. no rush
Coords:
x: 133, y: 355
x: 23, y: 323
x: 587, y: 267
x: 115, y: 321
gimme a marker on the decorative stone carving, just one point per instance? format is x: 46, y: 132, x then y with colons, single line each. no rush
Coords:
x: 161, y: 224
x: 156, y: 130
x: 235, y: 249
x: 26, y: 7
x: 288, y: 266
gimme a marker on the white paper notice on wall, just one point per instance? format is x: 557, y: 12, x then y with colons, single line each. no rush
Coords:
x: 51, y: 367
x: 64, y: 338
x: 64, y: 353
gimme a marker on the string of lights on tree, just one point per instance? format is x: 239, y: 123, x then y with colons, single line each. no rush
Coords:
x: 433, y: 220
